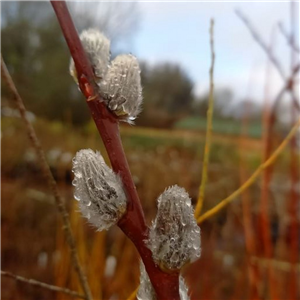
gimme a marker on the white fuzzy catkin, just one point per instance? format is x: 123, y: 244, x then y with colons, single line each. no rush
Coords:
x: 122, y: 88
x: 174, y: 236
x: 97, y: 48
x: 98, y: 189
x: 146, y: 290
x: 183, y: 289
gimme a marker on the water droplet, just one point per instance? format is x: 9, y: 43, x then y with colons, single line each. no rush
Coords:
x: 76, y: 197
x: 78, y: 174
x: 114, y: 106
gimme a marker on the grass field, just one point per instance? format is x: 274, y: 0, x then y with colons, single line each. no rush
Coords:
x: 222, y: 126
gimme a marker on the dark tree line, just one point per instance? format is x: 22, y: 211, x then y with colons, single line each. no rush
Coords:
x: 38, y: 59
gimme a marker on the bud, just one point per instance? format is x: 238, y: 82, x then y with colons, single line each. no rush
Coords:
x: 174, y: 236
x: 98, y: 189
x: 146, y: 290
x: 97, y: 48
x: 183, y: 289
x: 122, y: 87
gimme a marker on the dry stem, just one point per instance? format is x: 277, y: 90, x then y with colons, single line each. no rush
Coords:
x: 289, y: 39
x: 133, y: 294
x: 133, y: 222
x: 267, y: 142
x: 250, y: 241
x: 252, y: 178
x: 49, y: 178
x: 287, y: 87
x: 33, y: 282
x: 293, y: 202
x: 261, y: 42
x: 278, y: 264
x: 208, y: 125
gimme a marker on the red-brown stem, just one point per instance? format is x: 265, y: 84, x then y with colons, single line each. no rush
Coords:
x: 133, y: 222
x: 250, y: 241
x: 267, y: 141
x: 294, y: 171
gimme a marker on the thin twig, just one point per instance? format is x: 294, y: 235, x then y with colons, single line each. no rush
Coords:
x: 133, y: 222
x: 260, y: 41
x: 252, y: 178
x: 208, y: 125
x: 49, y: 178
x: 278, y: 264
x: 293, y: 202
x: 43, y: 285
x: 249, y: 229
x: 287, y: 87
x: 267, y: 143
x: 133, y: 294
x: 292, y: 43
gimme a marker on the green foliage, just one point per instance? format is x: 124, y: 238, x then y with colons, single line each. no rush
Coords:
x: 167, y: 94
x: 226, y: 126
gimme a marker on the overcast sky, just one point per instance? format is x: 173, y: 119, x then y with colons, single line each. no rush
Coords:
x: 179, y: 32
x: 174, y: 31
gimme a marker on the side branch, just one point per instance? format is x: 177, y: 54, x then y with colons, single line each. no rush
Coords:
x: 133, y: 223
x: 289, y: 38
x: 43, y: 285
x: 253, y: 177
x: 278, y: 264
x: 49, y: 178
x: 132, y: 296
x: 260, y: 41
x: 208, y: 125
x: 287, y: 87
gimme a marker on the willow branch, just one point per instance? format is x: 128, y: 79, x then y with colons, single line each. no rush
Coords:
x: 133, y: 294
x: 208, y: 125
x: 49, y: 178
x: 250, y: 240
x: 267, y: 143
x: 293, y: 202
x: 289, y: 39
x: 288, y: 86
x: 252, y: 178
x: 133, y: 222
x: 261, y: 42
x: 43, y: 285
x: 278, y: 264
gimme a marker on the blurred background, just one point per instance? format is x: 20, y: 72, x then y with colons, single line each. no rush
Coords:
x: 250, y: 250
